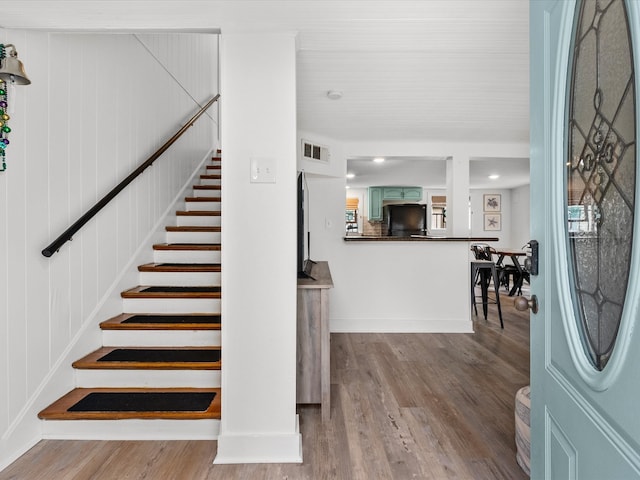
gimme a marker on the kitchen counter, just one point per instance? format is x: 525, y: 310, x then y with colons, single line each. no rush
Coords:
x: 402, y: 285
x: 416, y: 238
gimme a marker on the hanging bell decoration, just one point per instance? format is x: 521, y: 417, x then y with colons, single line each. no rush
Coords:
x: 12, y: 69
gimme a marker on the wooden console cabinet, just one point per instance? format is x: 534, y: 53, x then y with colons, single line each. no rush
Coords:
x: 313, y: 358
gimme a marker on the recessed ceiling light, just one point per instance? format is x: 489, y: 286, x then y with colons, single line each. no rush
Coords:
x: 351, y: 175
x: 494, y: 176
x: 334, y: 94
x: 347, y: 186
x: 378, y: 159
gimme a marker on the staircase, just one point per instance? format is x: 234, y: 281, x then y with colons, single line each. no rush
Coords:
x: 160, y: 361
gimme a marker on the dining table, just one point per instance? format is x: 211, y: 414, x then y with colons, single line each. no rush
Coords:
x: 514, y: 255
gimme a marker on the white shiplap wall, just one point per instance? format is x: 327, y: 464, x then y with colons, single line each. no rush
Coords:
x: 98, y: 105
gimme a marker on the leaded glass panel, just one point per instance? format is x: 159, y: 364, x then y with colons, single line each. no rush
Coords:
x: 601, y: 172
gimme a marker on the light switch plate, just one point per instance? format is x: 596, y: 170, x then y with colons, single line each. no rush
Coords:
x: 263, y: 170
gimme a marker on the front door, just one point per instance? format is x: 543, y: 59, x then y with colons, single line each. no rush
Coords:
x: 585, y: 338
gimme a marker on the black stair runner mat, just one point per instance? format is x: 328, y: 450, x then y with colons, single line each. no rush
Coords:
x: 161, y: 355
x: 144, y: 402
x: 181, y: 289
x: 173, y: 319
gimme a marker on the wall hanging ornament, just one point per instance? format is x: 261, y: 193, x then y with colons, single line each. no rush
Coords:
x: 4, y: 125
x: 11, y: 73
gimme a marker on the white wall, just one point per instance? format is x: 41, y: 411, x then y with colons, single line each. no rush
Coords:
x: 335, y: 167
x: 514, y: 212
x: 477, y: 216
x: 98, y: 106
x: 520, y: 216
x: 259, y: 256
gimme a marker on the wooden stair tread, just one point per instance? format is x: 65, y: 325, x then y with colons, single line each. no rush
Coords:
x: 59, y: 409
x: 198, y: 213
x: 193, y: 228
x: 146, y: 291
x: 178, y: 267
x: 207, y: 187
x: 92, y: 360
x: 126, y: 321
x: 211, y: 176
x: 188, y: 246
x: 214, y: 167
x: 202, y: 199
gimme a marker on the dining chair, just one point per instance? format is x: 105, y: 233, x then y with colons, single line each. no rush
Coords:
x: 485, y: 270
x: 484, y: 251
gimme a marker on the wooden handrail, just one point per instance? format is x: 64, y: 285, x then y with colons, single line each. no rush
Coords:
x: 69, y: 232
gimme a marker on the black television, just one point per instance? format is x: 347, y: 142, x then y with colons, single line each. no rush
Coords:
x: 404, y: 220
x: 304, y: 262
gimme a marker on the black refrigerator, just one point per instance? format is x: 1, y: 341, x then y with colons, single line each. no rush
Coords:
x: 404, y: 220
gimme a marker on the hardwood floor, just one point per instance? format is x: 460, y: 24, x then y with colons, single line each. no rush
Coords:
x: 404, y: 406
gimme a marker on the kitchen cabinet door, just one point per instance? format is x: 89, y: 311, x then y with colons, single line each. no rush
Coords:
x: 412, y: 193
x: 393, y: 193
x: 375, y: 203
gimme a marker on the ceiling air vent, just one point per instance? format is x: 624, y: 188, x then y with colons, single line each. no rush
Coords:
x: 312, y: 151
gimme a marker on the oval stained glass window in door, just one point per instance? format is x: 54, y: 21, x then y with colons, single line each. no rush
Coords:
x: 601, y: 172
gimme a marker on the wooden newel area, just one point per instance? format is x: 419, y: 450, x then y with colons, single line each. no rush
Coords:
x: 313, y: 361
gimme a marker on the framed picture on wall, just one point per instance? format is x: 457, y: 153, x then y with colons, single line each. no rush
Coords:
x: 492, y: 202
x: 492, y: 222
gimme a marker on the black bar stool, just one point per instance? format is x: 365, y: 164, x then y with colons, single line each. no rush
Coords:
x: 486, y: 270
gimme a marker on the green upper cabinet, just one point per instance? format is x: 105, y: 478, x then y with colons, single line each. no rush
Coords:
x: 375, y: 203
x: 378, y: 194
x: 393, y: 193
x: 401, y: 193
x: 412, y: 193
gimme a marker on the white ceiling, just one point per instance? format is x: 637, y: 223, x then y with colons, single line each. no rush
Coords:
x: 421, y: 70
x: 425, y: 172
x: 430, y: 172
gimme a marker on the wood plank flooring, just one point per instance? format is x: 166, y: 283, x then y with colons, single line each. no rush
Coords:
x: 404, y: 406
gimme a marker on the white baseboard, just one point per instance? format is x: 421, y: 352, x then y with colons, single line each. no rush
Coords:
x: 11, y: 452
x: 260, y: 447
x: 378, y: 325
